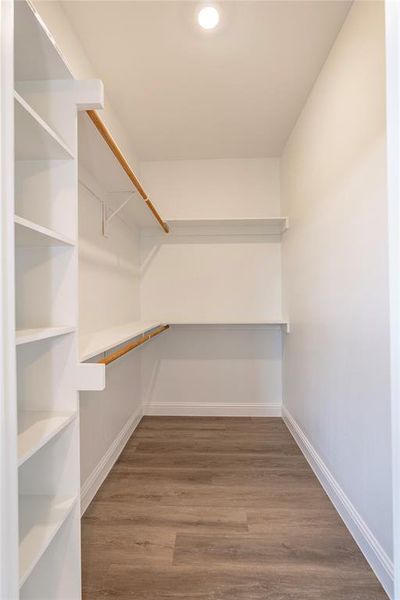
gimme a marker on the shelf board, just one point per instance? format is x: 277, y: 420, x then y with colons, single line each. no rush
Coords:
x: 284, y: 324
x: 95, y: 343
x: 36, y: 56
x: 26, y: 336
x: 34, y: 138
x: 36, y: 428
x: 250, y: 226
x: 40, y: 518
x: 28, y: 234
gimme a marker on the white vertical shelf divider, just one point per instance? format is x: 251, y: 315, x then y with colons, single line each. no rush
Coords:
x: 45, y: 98
x: 8, y: 408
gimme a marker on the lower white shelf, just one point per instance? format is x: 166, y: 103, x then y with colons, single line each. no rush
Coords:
x: 100, y: 341
x: 40, y: 518
x: 26, y: 336
x: 284, y: 324
x: 36, y: 428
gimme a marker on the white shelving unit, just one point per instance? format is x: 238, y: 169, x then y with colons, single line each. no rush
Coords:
x: 94, y: 344
x: 44, y: 100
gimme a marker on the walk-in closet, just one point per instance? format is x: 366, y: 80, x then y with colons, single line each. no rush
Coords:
x: 200, y: 322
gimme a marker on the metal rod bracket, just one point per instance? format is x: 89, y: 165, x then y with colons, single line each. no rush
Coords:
x: 107, y: 218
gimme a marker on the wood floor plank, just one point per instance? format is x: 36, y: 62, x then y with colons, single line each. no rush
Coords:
x: 218, y: 509
x: 240, y: 462
x: 216, y: 476
x: 124, y: 490
x: 127, y: 543
x: 206, y: 427
x: 188, y: 583
x: 250, y: 550
x: 253, y: 447
x: 182, y: 423
x: 283, y: 521
x: 203, y: 518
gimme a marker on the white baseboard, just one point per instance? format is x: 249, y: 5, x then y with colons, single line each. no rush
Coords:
x: 369, y: 545
x: 214, y: 410
x: 105, y: 464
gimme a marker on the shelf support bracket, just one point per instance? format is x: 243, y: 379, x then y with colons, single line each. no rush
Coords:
x: 107, y: 218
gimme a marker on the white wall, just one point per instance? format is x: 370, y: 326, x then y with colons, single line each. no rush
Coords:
x: 107, y: 420
x: 212, y: 189
x: 392, y: 20
x: 109, y: 268
x: 212, y: 278
x: 335, y: 257
x: 202, y: 278
x: 213, y: 370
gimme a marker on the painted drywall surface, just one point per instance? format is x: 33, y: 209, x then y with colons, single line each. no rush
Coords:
x: 73, y: 51
x: 392, y: 19
x: 335, y: 265
x: 212, y: 189
x: 103, y: 415
x: 212, y: 369
x: 108, y: 268
x: 227, y: 279
x: 108, y: 296
x: 205, y: 278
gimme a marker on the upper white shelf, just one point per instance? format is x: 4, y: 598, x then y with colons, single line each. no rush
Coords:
x: 36, y: 56
x: 40, y: 519
x: 36, y: 428
x: 34, y: 138
x: 98, y: 163
x: 250, y: 226
x: 28, y: 234
x: 26, y: 336
x: 95, y: 343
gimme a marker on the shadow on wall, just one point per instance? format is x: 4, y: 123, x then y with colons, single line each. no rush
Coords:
x: 154, y: 244
x: 223, y: 364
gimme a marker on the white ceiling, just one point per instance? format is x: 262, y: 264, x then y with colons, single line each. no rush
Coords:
x: 185, y: 93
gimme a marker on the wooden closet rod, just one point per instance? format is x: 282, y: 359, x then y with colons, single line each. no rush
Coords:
x: 125, y: 349
x: 106, y: 135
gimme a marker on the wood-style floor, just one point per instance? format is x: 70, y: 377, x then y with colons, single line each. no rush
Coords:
x: 218, y: 509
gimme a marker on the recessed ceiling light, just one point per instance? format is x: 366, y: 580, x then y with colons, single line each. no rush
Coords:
x: 208, y: 17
